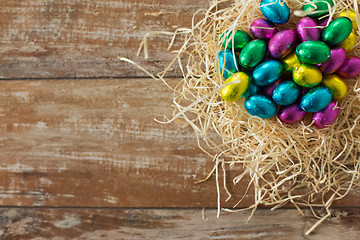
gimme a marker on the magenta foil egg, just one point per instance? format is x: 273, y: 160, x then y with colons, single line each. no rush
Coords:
x: 282, y: 43
x: 306, y: 30
x: 337, y: 58
x: 263, y: 29
x: 350, y: 68
x: 326, y: 116
x: 291, y: 114
x: 268, y: 90
x: 323, y: 23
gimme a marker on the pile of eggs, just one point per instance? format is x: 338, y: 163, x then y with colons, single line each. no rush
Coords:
x: 292, y: 72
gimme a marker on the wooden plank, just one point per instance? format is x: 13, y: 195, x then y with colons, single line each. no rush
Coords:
x: 95, y: 143
x: 116, y: 224
x: 77, y: 39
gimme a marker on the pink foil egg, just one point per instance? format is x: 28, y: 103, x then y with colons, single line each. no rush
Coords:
x: 350, y: 68
x: 263, y: 29
x: 337, y: 58
x: 291, y: 114
x: 306, y: 30
x: 323, y: 23
x: 268, y: 90
x: 282, y: 43
x: 326, y: 116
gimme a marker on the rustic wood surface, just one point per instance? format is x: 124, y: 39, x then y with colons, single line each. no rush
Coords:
x: 77, y: 130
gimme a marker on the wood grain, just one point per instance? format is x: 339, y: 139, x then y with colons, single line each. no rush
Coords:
x: 78, y: 39
x: 116, y: 224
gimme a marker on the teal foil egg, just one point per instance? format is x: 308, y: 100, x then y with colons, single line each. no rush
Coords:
x: 286, y: 93
x: 316, y: 99
x: 338, y: 30
x: 267, y: 72
x: 253, y: 53
x: 261, y: 106
x: 252, y: 90
x: 228, y: 63
x: 313, y: 52
x: 275, y: 11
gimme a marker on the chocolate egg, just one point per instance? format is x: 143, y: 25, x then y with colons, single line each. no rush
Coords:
x: 319, y: 7
x: 253, y: 53
x: 269, y: 90
x: 337, y: 31
x: 313, y: 52
x: 263, y: 29
x: 291, y: 62
x: 307, y: 75
x: 349, y: 43
x: 236, y: 40
x: 323, y: 23
x: 267, y: 72
x: 233, y: 92
x: 352, y: 16
x: 261, y: 106
x: 306, y: 30
x: 316, y: 99
x: 252, y: 90
x: 286, y: 93
x: 326, y: 116
x: 337, y: 58
x: 282, y: 43
x: 275, y: 11
x: 350, y: 68
x: 291, y: 114
x: 336, y: 85
x: 227, y: 63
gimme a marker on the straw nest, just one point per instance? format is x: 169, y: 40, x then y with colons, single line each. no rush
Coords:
x: 299, y: 163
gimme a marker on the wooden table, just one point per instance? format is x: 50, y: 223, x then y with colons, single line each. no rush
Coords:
x: 82, y: 157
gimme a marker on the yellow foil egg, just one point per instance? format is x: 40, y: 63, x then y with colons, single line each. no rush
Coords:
x: 349, y: 43
x: 336, y: 85
x: 291, y: 62
x: 352, y: 16
x: 307, y: 75
x: 233, y: 92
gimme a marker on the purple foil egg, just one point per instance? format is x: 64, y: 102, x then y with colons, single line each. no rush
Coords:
x: 326, y: 116
x: 306, y: 30
x: 350, y: 68
x: 263, y: 29
x: 282, y: 43
x: 323, y: 23
x: 291, y: 114
x: 337, y: 58
x: 268, y: 90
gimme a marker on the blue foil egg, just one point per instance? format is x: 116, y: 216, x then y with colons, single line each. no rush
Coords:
x: 228, y: 63
x: 267, y: 72
x: 252, y: 90
x: 275, y: 11
x: 286, y: 93
x: 316, y: 99
x: 261, y: 106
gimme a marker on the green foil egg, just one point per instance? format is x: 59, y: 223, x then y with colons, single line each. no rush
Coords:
x: 313, y: 52
x: 236, y: 40
x: 337, y: 31
x: 253, y: 53
x: 319, y: 7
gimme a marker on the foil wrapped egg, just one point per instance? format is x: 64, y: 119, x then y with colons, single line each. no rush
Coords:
x: 263, y: 29
x: 327, y: 116
x: 253, y: 53
x: 336, y: 85
x: 338, y: 30
x: 316, y: 99
x: 307, y: 29
x: 227, y: 62
x: 252, y: 90
x: 350, y: 68
x: 261, y: 106
x: 337, y: 58
x: 286, y: 93
x: 352, y: 16
x: 291, y: 114
x: 318, y: 8
x: 275, y: 11
x: 233, y: 92
x: 269, y: 90
x: 237, y: 40
x: 307, y: 75
x: 267, y: 72
x: 349, y: 43
x: 282, y: 43
x: 291, y: 62
x: 313, y: 52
